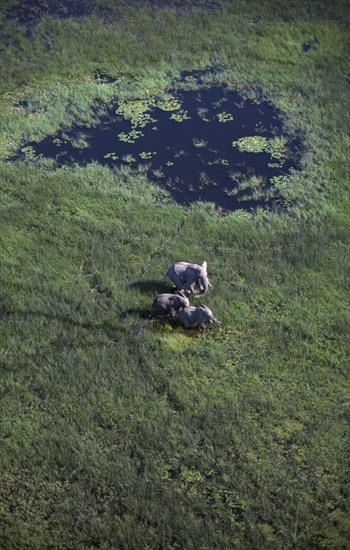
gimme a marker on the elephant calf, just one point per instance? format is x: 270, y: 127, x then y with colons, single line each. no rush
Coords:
x: 196, y: 316
x: 185, y: 276
x: 168, y: 304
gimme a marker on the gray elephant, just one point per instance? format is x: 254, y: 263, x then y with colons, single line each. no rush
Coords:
x: 196, y: 316
x: 185, y: 276
x: 168, y: 304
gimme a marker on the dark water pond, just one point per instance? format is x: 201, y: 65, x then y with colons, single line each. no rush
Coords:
x: 29, y: 12
x: 209, y: 145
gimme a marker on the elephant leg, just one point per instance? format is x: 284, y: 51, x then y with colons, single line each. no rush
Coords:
x: 176, y: 280
x: 191, y: 288
x: 185, y: 323
x: 172, y: 314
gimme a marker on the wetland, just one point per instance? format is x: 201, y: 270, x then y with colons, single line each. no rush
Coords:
x: 200, y: 144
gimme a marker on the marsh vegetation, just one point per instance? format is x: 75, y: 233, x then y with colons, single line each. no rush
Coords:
x: 118, y: 431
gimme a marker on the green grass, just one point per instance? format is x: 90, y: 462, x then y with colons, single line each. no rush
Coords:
x: 117, y: 431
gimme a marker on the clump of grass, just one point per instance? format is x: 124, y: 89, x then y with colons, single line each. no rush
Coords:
x: 129, y: 159
x: 199, y: 143
x: 203, y: 113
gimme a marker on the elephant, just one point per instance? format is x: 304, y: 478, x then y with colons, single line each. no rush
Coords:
x: 168, y: 304
x: 186, y: 275
x: 191, y: 315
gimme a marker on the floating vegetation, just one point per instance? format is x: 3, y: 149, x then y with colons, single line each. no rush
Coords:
x: 169, y: 163
x: 251, y: 144
x: 137, y: 111
x: 147, y: 155
x: 180, y: 116
x: 112, y: 156
x: 131, y: 136
x: 224, y: 117
x: 276, y: 146
x: 169, y: 103
x: 28, y: 150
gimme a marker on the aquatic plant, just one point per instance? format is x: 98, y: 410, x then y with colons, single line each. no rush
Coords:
x: 130, y: 159
x: 158, y: 173
x: 252, y: 183
x: 279, y: 181
x: 137, y: 111
x: 276, y: 146
x: 29, y: 151
x: 168, y: 103
x: 112, y: 156
x: 224, y: 117
x: 131, y: 136
x: 203, y: 113
x: 199, y: 143
x: 251, y: 144
x: 57, y: 142
x: 232, y: 192
x: 147, y: 155
x: 180, y: 116
x: 79, y: 141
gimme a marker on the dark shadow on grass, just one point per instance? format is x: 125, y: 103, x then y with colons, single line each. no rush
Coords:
x: 151, y: 287
x: 143, y: 313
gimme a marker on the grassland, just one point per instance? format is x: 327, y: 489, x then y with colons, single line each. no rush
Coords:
x: 117, y: 432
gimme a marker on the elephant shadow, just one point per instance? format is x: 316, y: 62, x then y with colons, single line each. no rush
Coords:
x: 151, y: 287
x: 143, y: 313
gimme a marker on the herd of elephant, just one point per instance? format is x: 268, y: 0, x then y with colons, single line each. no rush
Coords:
x: 174, y: 306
